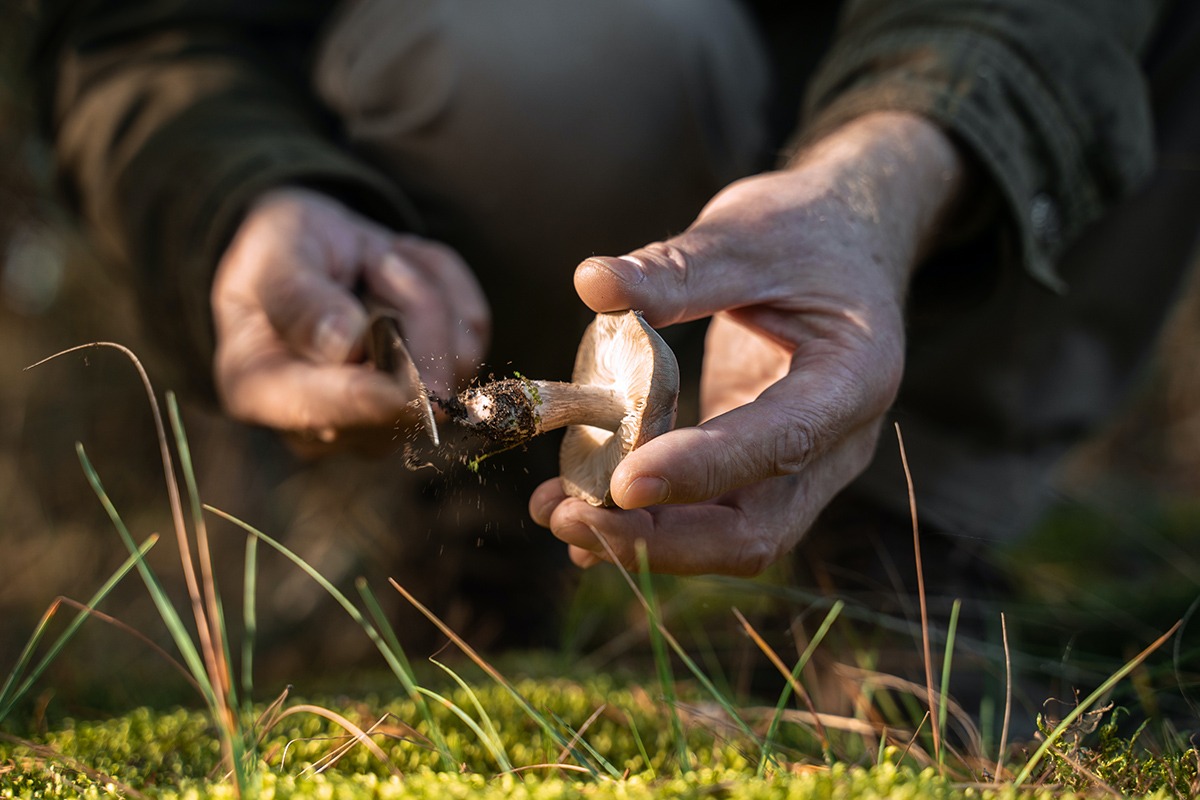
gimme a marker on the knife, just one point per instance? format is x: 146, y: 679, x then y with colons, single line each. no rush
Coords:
x: 387, y: 351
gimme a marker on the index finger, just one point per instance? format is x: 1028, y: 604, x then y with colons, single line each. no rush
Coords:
x: 740, y: 534
x: 789, y: 426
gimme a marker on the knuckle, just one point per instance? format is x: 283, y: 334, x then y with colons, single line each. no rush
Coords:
x: 477, y: 321
x: 800, y: 438
x: 754, y: 556
x: 666, y: 257
x: 672, y: 271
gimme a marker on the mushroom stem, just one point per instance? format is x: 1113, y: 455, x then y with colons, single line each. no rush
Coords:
x: 517, y: 409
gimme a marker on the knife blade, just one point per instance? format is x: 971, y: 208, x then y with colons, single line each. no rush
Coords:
x: 388, y: 352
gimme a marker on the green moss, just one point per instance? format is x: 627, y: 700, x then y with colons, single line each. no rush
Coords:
x: 1106, y: 753
x: 174, y: 754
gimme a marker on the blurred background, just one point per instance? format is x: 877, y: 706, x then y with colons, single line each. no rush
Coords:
x: 1122, y: 546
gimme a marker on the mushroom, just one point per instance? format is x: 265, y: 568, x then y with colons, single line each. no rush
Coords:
x: 623, y: 392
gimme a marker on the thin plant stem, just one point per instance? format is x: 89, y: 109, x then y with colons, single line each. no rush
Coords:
x: 1008, y: 687
x: 489, y: 734
x: 136, y: 634
x: 168, y: 613
x: 792, y: 679
x: 354, y: 730
x: 338, y: 753
x: 218, y: 675
x: 577, y: 740
x: 913, y: 740
x: 50, y: 754
x: 489, y: 743
x: 577, y: 735
x: 641, y: 745
x: 217, y: 665
x: 1177, y: 658
x: 408, y: 677
x: 934, y: 726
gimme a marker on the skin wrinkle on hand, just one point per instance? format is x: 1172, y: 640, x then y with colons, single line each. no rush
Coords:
x: 641, y: 268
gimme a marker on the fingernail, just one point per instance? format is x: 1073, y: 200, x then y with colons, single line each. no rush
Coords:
x: 334, y: 338
x: 394, y: 268
x: 645, y: 491
x: 629, y: 270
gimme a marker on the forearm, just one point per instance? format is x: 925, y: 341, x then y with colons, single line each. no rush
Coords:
x: 1047, y: 95
x: 168, y: 119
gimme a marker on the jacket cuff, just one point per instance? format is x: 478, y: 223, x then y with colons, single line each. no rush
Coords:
x: 1057, y: 154
x: 184, y: 217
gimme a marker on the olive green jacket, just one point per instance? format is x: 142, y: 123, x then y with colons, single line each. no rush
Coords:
x: 169, y: 116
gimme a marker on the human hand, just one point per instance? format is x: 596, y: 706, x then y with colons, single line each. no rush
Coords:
x: 290, y: 321
x: 804, y: 273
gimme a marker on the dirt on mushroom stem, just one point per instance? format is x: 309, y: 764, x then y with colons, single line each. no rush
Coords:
x: 510, y: 418
x: 622, y: 392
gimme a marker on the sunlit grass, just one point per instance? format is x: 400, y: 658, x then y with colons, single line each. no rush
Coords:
x: 678, y: 732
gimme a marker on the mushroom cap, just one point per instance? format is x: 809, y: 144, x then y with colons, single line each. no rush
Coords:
x: 621, y: 352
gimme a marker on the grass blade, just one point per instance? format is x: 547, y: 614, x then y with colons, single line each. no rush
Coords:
x: 484, y: 720
x: 406, y: 675
x: 355, y: 731
x: 490, y: 744
x: 945, y: 685
x: 792, y: 681
x: 393, y: 657
x: 179, y: 634
x: 578, y: 740
x: 8, y: 697
x: 493, y: 673
x: 321, y: 580
x: 1091, y: 699
x: 249, y: 616
x: 662, y: 661
x: 175, y: 663
x: 708, y: 685
x: 216, y: 658
x: 215, y: 695
x: 641, y: 746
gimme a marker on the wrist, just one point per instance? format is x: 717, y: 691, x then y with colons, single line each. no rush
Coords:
x: 900, y: 173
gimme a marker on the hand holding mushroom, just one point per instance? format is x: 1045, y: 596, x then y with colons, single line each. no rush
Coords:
x: 804, y: 273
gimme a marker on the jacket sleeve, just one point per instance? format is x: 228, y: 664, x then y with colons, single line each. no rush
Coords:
x: 1048, y: 95
x: 169, y: 118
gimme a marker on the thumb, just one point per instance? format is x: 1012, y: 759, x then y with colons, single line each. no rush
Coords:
x: 317, y: 317
x: 682, y: 279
